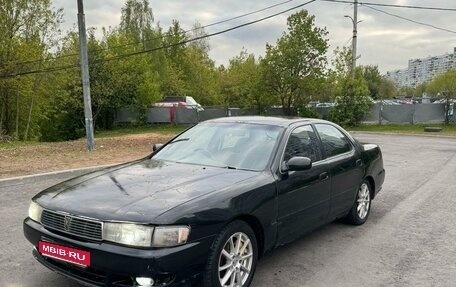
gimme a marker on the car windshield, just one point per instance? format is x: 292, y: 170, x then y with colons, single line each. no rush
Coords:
x: 191, y: 101
x: 228, y: 145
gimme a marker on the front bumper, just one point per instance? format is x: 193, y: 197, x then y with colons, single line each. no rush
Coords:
x: 114, y: 265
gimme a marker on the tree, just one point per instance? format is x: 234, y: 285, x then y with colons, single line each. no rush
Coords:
x: 342, y: 63
x: 28, y: 30
x: 137, y: 18
x: 294, y: 65
x: 406, y: 92
x: 444, y: 84
x: 341, y: 68
x: 62, y: 116
x: 175, y: 55
x: 386, y: 89
x: 373, y: 78
x: 131, y: 82
x: 199, y: 76
x: 189, y: 69
x: 199, y: 32
x: 243, y: 85
x: 352, y: 100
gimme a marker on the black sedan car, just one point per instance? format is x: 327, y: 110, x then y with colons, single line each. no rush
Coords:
x: 206, y: 205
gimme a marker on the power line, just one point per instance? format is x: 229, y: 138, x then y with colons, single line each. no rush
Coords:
x: 211, y: 34
x: 197, y: 28
x: 396, y: 5
x: 410, y: 20
x: 160, y: 37
x: 241, y: 16
x: 248, y: 14
x: 49, y: 70
x: 165, y: 46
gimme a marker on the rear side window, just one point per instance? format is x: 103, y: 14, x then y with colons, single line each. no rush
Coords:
x: 334, y: 142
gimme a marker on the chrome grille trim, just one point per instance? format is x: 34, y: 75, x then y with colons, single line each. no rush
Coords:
x: 79, y: 226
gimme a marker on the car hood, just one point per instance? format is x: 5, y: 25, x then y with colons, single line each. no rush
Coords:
x: 138, y: 191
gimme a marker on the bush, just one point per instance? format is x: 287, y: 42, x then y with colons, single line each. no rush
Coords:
x: 305, y: 112
x: 63, y: 120
x: 62, y: 126
x: 352, y: 102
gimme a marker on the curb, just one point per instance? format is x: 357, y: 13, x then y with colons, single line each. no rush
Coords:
x: 28, y: 179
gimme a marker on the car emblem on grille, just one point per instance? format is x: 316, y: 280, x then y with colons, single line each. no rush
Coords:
x: 67, y: 222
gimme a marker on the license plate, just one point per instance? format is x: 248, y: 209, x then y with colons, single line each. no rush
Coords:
x: 72, y: 255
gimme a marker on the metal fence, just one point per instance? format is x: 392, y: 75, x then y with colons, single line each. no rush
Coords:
x: 409, y: 113
x: 383, y: 114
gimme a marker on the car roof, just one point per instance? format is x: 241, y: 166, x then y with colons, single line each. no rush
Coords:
x: 174, y: 99
x: 275, y: 121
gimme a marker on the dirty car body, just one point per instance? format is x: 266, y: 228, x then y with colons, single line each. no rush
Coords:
x: 206, y: 205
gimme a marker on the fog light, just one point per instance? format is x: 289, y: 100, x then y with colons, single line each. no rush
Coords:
x: 144, y: 281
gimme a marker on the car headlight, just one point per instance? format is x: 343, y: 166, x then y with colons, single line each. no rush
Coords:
x: 128, y: 233
x: 168, y: 236
x: 35, y: 211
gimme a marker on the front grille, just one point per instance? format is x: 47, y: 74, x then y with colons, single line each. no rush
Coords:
x: 77, y: 226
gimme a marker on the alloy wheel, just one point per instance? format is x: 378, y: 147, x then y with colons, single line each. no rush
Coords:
x: 236, y: 260
x: 363, y: 201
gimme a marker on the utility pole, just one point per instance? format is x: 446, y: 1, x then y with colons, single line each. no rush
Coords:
x: 355, y: 34
x: 85, y: 76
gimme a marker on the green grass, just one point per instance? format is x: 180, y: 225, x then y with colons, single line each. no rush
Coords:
x: 129, y: 130
x: 448, y: 130
x: 16, y: 144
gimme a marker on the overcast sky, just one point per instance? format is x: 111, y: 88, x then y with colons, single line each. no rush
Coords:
x: 382, y: 40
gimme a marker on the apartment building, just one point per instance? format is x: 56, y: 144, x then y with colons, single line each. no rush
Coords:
x: 422, y: 70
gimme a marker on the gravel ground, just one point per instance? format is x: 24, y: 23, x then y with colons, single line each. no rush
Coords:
x: 46, y: 157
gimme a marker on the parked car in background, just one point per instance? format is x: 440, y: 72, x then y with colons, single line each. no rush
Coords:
x: 326, y: 105
x: 387, y: 102
x: 406, y: 101
x: 207, y: 204
x: 444, y: 101
x: 179, y: 102
x: 312, y: 104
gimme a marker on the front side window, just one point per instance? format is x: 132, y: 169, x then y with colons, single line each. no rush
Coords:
x: 303, y: 142
x: 191, y: 101
x: 229, y: 145
x: 334, y: 142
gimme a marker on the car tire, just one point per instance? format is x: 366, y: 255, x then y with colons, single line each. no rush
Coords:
x: 233, y: 256
x: 362, y: 205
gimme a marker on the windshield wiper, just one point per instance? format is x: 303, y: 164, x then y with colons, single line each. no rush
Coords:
x: 179, y: 140
x: 230, y: 167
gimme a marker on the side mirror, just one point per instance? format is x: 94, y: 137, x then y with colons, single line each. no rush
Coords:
x: 299, y: 163
x: 157, y: 147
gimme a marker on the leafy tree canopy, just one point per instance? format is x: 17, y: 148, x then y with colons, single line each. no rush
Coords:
x: 294, y: 66
x: 444, y: 85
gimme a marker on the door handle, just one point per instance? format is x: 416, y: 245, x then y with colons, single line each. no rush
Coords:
x: 323, y: 176
x: 359, y: 162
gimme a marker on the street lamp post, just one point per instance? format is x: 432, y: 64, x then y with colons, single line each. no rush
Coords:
x: 355, y: 22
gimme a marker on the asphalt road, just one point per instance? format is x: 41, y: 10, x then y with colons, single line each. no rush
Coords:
x: 409, y: 239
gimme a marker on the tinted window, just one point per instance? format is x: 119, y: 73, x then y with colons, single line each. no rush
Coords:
x: 303, y: 142
x: 333, y: 141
